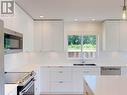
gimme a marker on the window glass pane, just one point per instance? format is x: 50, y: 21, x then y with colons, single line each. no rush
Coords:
x: 89, y: 43
x: 74, y: 45
x: 89, y: 46
x: 82, y: 46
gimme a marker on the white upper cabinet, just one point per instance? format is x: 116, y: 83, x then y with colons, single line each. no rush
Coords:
x: 37, y: 36
x: 114, y: 36
x: 111, y: 35
x: 28, y: 36
x: 123, y: 36
x: 48, y: 35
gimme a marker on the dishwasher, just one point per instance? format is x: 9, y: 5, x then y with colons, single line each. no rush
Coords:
x: 111, y: 70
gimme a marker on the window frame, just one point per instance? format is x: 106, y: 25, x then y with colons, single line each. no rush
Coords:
x: 80, y: 57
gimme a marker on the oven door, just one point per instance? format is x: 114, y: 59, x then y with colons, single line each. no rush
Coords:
x: 28, y: 89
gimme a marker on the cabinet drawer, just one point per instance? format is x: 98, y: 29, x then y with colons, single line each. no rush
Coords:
x: 87, y: 70
x: 61, y: 87
x: 58, y: 74
x: 91, y: 71
x: 60, y: 68
x: 64, y: 76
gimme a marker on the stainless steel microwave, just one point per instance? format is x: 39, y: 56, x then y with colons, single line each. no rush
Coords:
x: 13, y: 41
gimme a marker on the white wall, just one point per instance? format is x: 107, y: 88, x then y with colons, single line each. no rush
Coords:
x: 22, y: 23
x: 1, y: 60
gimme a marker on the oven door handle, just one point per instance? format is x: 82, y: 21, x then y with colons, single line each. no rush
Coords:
x: 27, y: 87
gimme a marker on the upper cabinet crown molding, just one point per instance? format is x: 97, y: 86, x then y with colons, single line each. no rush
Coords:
x: 114, y: 35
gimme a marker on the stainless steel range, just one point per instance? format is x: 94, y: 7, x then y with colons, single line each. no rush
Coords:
x: 25, y: 82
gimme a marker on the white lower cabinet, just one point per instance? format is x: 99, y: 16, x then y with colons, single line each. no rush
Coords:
x: 123, y: 71
x: 60, y: 74
x: 44, y: 80
x: 64, y: 80
x: 61, y: 87
x: 37, y: 82
x: 78, y: 74
x: 78, y: 80
x: 61, y: 80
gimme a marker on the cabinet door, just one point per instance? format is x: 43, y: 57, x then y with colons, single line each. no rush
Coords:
x: 61, y: 80
x: 28, y: 36
x: 44, y: 80
x: 52, y: 39
x: 58, y: 36
x: 37, y: 36
x: 61, y: 87
x: 37, y: 82
x: 123, y: 36
x: 124, y: 71
x: 91, y: 71
x: 78, y: 80
x: 79, y: 73
x: 60, y: 74
x: 111, y: 35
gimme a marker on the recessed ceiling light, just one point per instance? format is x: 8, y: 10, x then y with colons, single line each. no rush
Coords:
x: 75, y: 19
x: 41, y: 16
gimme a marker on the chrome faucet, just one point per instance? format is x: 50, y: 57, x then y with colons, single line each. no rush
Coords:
x: 83, y: 60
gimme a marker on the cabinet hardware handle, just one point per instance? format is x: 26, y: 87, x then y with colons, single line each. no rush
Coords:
x: 60, y: 81
x: 86, y: 71
x: 60, y: 72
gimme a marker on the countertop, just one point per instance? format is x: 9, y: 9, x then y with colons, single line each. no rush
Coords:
x: 9, y: 88
x: 107, y: 85
x: 31, y: 67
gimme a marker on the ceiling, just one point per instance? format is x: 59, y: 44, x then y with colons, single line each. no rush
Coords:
x: 73, y: 9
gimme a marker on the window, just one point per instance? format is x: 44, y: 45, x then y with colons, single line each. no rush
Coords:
x: 74, y: 46
x: 82, y: 46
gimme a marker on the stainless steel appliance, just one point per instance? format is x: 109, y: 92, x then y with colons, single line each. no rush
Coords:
x: 24, y: 80
x: 26, y: 85
x: 13, y: 41
x: 27, y: 89
x: 111, y: 70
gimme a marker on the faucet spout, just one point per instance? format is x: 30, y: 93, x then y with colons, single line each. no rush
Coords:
x: 83, y: 60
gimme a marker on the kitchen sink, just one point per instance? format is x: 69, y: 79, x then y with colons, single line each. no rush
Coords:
x: 84, y: 64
